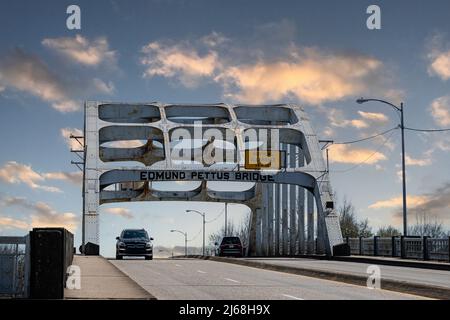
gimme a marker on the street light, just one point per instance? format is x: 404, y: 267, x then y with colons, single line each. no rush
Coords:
x: 402, y: 127
x: 203, y: 216
x: 185, y: 239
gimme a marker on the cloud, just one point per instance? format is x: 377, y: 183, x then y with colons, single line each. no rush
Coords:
x: 72, y: 177
x: 261, y: 74
x: 311, y: 76
x: 126, y: 213
x: 72, y: 143
x: 13, y: 173
x: 440, y: 110
x: 398, y: 201
x: 83, y: 51
x: 179, y: 61
x: 127, y: 143
x: 341, y: 153
x: 417, y: 162
x: 435, y: 203
x: 26, y: 72
x: 337, y: 119
x: 11, y: 223
x: 373, y: 116
x: 439, y: 57
x: 29, y: 73
x: 42, y: 214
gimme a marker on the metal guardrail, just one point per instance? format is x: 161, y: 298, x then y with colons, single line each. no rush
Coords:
x: 14, y: 267
x: 424, y: 248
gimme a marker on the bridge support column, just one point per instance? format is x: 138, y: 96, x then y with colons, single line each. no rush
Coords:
x: 264, y: 221
x: 284, y: 214
x: 292, y: 204
x: 277, y: 210
x: 270, y: 212
x: 258, y: 237
x: 301, y: 209
x: 310, y: 222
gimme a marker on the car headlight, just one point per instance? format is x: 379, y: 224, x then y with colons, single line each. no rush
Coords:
x: 148, y: 245
x: 121, y: 245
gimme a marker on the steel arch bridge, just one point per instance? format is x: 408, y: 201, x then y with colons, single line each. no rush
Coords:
x: 292, y: 208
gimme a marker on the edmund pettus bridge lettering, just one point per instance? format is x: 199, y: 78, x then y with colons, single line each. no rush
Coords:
x: 201, y: 175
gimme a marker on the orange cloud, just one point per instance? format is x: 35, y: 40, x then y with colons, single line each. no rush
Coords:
x: 178, y: 61
x: 313, y: 78
x: 341, y: 153
x: 8, y: 223
x: 13, y: 172
x: 398, y: 201
x: 373, y: 116
x: 126, y: 213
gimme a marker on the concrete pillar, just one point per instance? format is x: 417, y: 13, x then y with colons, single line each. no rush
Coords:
x: 292, y: 204
x: 310, y: 222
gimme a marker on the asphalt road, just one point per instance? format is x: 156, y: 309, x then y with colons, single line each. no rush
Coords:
x: 192, y: 279
x: 440, y: 278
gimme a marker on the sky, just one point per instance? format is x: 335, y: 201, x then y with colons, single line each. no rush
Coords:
x: 318, y: 54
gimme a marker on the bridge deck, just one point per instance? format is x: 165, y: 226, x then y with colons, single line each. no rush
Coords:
x: 102, y: 280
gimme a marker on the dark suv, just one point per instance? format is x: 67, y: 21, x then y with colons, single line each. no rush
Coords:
x: 134, y: 242
x: 230, y: 246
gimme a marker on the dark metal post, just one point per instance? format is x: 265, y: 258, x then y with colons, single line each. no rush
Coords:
x: 405, y: 224
x: 426, y: 255
x: 402, y: 247
x: 448, y: 248
x: 361, y: 249
x: 375, y: 245
x: 394, y: 246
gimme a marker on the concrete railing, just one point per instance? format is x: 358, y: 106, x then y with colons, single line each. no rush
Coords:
x: 424, y: 248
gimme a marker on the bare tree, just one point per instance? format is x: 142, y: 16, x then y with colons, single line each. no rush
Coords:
x: 388, y: 231
x: 425, y: 226
x: 350, y: 225
x: 240, y: 230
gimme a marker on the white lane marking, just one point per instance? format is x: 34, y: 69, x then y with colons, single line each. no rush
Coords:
x: 231, y: 280
x: 200, y: 271
x: 292, y: 297
x: 177, y: 265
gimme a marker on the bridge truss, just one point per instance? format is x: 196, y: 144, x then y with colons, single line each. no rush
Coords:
x: 129, y: 148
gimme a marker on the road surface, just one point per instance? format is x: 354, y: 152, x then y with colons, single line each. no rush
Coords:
x: 194, y: 279
x: 440, y: 278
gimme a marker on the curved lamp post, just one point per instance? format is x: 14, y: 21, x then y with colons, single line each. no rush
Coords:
x: 185, y: 239
x: 203, y: 216
x: 400, y: 110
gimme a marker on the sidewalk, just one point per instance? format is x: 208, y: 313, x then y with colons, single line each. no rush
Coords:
x: 100, y: 279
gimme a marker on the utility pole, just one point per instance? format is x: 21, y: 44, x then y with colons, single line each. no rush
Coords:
x: 402, y: 127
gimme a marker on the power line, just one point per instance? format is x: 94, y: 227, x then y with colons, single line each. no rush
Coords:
x: 218, y: 216
x: 368, y: 138
x: 427, y: 130
x: 192, y: 239
x: 368, y: 158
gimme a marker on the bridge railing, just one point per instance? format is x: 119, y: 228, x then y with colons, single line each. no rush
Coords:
x: 14, y: 267
x: 423, y: 248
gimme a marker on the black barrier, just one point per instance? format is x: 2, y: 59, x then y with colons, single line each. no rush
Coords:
x: 51, y: 254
